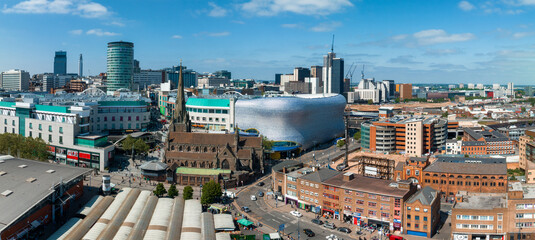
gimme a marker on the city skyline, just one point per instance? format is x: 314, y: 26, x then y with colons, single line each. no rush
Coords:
x: 416, y: 42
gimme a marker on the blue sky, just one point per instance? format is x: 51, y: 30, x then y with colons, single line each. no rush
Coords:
x: 414, y: 41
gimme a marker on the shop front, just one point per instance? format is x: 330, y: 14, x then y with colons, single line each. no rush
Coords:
x: 327, y: 212
x: 292, y: 201
x: 61, y: 155
x: 347, y: 216
x: 379, y: 223
x: 72, y: 158
x: 396, y: 225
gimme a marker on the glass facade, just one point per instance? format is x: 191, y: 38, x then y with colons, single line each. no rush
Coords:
x: 120, y: 65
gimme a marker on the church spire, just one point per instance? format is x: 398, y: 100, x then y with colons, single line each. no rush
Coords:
x: 180, y: 116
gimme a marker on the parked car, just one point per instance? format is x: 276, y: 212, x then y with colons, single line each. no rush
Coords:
x: 296, y: 213
x: 309, y: 232
x: 260, y: 194
x: 253, y: 198
x: 245, y: 209
x: 329, y: 225
x: 317, y: 221
x: 359, y: 233
x: 344, y: 229
x: 260, y: 184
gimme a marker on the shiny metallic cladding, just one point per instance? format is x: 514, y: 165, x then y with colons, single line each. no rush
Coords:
x: 305, y: 118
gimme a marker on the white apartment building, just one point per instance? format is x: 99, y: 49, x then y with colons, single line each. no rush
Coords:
x: 15, y: 79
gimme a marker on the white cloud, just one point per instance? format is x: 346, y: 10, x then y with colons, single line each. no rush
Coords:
x: 522, y: 34
x: 176, y: 37
x: 77, y: 32
x: 216, y: 11
x: 84, y: 8
x: 436, y: 36
x: 526, y: 2
x: 116, y: 23
x: 289, y: 25
x: 304, y: 7
x: 326, y: 27
x: 466, y: 6
x: 99, y: 32
x: 218, y: 34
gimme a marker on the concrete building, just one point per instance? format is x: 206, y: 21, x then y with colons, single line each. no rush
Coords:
x: 81, y: 66
x: 300, y: 73
x: 278, y: 78
x: 34, y: 194
x: 222, y: 74
x: 511, y: 89
x: 211, y: 81
x: 188, y: 75
x: 333, y: 74
x: 317, y: 72
x: 145, y: 78
x: 483, y: 142
x: 15, y: 79
x: 212, y: 114
x: 480, y: 86
x: 60, y: 63
x: 120, y: 67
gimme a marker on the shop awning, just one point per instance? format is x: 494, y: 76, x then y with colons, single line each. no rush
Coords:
x: 245, y: 222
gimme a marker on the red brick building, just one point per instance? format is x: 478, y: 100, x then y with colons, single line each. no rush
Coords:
x: 422, y: 213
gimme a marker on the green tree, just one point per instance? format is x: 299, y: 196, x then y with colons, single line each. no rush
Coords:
x: 188, y: 193
x: 160, y: 190
x: 370, y: 102
x: 25, y: 147
x: 266, y: 143
x: 396, y: 100
x: 340, y: 143
x: 356, y: 136
x: 445, y: 114
x: 172, y: 192
x: 523, y: 109
x: 211, y: 192
x: 140, y: 146
x: 128, y: 143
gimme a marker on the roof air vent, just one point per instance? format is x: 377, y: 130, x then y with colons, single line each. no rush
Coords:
x: 23, y: 166
x: 51, y: 171
x: 6, y: 193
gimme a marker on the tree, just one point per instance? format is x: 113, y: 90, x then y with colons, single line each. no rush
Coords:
x: 160, y: 190
x: 188, y: 193
x: 523, y: 109
x: 211, y: 192
x: 128, y: 143
x: 140, y: 146
x: 445, y: 114
x: 266, y: 143
x: 172, y: 192
x: 356, y: 136
x: 25, y: 147
x: 340, y: 143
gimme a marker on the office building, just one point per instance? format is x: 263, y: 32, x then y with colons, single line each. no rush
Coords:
x: 15, y: 79
x: 405, y: 91
x: 483, y: 142
x: 223, y: 74
x: 278, y: 78
x: 137, y: 69
x: 81, y: 66
x: 480, y: 86
x: 422, y: 214
x: 211, y: 81
x: 511, y: 89
x: 333, y: 74
x: 300, y: 73
x: 415, y: 136
x: 370, y: 90
x: 60, y: 63
x: 145, y: 78
x: 188, y: 75
x: 317, y: 72
x: 50, y: 81
x: 120, y: 68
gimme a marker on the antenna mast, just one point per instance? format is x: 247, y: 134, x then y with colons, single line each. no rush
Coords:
x: 362, y: 72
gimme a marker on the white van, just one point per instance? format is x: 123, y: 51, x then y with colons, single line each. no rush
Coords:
x: 253, y: 198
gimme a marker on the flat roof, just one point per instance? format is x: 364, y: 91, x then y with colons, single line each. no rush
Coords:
x: 482, y: 201
x: 369, y: 185
x: 208, y: 102
x: 27, y: 194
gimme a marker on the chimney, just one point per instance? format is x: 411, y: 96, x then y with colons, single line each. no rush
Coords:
x: 348, y: 177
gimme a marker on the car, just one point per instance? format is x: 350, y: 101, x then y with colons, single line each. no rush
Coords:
x: 260, y: 184
x: 329, y: 225
x: 309, y: 232
x: 296, y: 213
x: 317, y: 221
x: 245, y: 209
x: 260, y: 194
x: 253, y: 198
x: 344, y: 229
x: 359, y: 233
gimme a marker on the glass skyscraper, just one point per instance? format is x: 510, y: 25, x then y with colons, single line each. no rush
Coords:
x: 60, y: 63
x: 120, y: 65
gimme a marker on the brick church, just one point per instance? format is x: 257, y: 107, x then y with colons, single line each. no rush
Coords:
x: 195, y: 158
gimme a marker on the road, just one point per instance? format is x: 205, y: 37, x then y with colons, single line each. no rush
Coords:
x: 325, y: 153
x: 274, y: 217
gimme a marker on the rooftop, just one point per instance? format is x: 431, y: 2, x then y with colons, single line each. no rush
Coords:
x: 468, y: 168
x: 528, y: 189
x: 201, y: 171
x: 26, y: 194
x: 369, y: 185
x: 482, y: 201
x: 321, y: 175
x: 470, y: 160
x: 425, y: 195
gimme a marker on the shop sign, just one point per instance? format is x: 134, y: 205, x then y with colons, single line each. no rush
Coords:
x: 72, y: 154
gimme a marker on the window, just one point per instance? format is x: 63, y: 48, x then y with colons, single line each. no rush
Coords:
x: 129, y: 118
x: 40, y: 136
x: 409, y: 208
x: 40, y: 127
x: 60, y: 129
x: 121, y: 118
x: 49, y: 138
x: 50, y: 128
x: 60, y: 139
x: 30, y: 134
x: 137, y: 118
x: 105, y: 119
x: 5, y: 121
x: 408, y: 216
x: 13, y: 122
x: 417, y: 172
x: 417, y: 218
x: 30, y: 125
x: 425, y: 219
